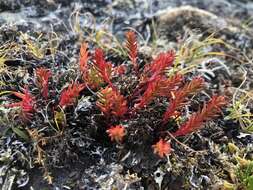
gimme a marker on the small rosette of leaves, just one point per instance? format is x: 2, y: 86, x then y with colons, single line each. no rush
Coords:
x: 116, y: 133
x: 162, y: 148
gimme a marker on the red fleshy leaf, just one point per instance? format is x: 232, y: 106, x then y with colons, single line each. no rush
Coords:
x: 208, y: 112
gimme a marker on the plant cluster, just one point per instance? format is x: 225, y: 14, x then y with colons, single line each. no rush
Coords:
x: 245, y: 173
x: 241, y: 169
x: 153, y: 82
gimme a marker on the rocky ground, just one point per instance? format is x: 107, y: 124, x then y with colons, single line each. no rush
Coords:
x: 49, y: 33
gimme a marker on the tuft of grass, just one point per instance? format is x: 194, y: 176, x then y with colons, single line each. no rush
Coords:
x: 5, y: 50
x: 239, y: 111
x: 101, y: 37
x: 34, y: 47
x: 245, y: 175
x: 193, y: 51
x: 247, y: 24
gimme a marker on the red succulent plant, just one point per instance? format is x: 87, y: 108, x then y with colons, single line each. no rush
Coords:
x: 116, y: 133
x: 112, y: 102
x: 27, y: 103
x: 104, y: 68
x: 154, y: 82
x: 131, y: 46
x: 179, y: 98
x: 159, y: 86
x: 84, y: 57
x: 43, y: 76
x: 210, y: 110
x: 70, y: 94
x: 162, y: 148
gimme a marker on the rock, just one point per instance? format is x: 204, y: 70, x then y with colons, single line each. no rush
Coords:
x: 6, y: 5
x: 174, y: 20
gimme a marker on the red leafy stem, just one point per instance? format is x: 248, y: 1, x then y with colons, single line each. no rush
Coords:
x: 104, y: 68
x: 180, y: 97
x: 159, y: 86
x: 208, y: 112
x: 131, y: 46
x: 112, y: 102
x: 27, y: 103
x: 154, y: 73
x: 43, y: 76
x: 70, y: 94
x: 84, y: 57
x: 159, y: 65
